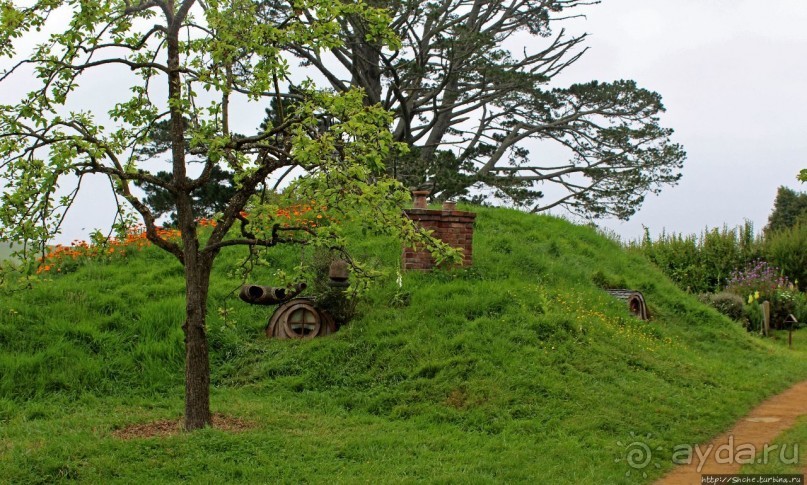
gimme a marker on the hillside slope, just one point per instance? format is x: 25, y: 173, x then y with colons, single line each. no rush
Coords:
x: 515, y: 369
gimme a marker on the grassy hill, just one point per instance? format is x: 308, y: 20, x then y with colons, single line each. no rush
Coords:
x: 517, y: 369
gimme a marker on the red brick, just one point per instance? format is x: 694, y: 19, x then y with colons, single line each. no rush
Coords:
x: 455, y: 228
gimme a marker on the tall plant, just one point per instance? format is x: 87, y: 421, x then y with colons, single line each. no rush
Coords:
x: 787, y: 249
x: 702, y: 263
x: 188, y: 62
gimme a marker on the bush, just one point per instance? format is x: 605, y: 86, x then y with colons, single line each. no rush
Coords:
x: 702, y: 263
x: 787, y: 249
x: 800, y: 308
x: 334, y: 300
x: 762, y: 281
x: 729, y: 304
x: 754, y: 316
x: 785, y: 302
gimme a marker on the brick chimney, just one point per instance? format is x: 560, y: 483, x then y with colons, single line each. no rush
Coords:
x: 455, y: 228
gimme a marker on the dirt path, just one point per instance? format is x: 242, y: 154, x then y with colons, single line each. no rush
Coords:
x: 760, y: 427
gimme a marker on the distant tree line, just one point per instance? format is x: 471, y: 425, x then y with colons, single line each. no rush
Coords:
x: 735, y: 269
x: 705, y: 262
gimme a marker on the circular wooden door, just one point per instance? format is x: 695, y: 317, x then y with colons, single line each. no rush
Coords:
x: 300, y: 318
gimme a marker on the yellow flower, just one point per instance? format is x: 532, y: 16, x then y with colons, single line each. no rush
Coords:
x: 750, y: 299
x: 756, y: 295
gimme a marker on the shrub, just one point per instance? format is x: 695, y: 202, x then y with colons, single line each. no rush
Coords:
x: 753, y: 315
x: 729, y: 304
x: 65, y: 259
x: 787, y: 248
x: 702, y: 263
x: 340, y: 304
x: 785, y: 302
x: 800, y: 308
x: 762, y: 281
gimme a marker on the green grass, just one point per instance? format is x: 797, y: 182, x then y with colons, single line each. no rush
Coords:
x: 787, y: 455
x: 790, y: 453
x: 799, y: 338
x: 517, y: 369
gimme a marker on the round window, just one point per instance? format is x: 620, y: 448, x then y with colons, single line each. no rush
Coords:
x: 302, y: 321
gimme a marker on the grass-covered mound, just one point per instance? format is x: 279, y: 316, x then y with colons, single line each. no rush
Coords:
x: 516, y: 369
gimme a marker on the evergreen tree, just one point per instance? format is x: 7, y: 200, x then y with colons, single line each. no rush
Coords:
x: 789, y: 208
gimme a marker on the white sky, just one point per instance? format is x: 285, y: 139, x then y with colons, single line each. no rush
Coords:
x: 733, y: 76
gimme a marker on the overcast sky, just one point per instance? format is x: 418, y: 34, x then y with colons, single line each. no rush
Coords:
x: 733, y: 76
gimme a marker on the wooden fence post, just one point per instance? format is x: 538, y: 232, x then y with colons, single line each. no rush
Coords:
x: 766, y: 317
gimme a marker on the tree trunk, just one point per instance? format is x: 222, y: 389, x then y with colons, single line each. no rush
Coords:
x: 366, y: 64
x: 197, y: 362
x: 443, y: 121
x: 197, y: 266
